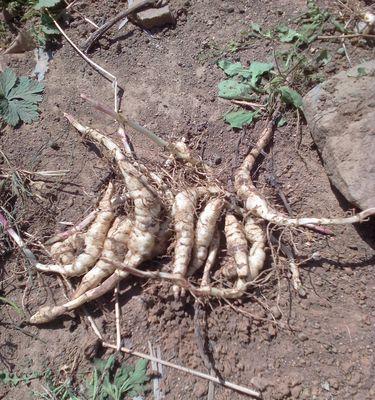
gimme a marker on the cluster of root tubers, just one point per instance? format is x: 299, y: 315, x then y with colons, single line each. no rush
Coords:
x: 187, y: 216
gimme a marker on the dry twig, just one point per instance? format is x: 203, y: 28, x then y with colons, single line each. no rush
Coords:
x: 104, y: 28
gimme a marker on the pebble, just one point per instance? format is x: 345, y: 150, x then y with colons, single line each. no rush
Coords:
x: 295, y: 392
x: 55, y: 146
x: 259, y: 382
x: 303, y: 337
x: 217, y: 160
x: 200, y: 389
x: 334, y: 383
x: 316, y: 326
x: 282, y: 391
x: 275, y: 312
x: 227, y: 8
x: 355, y: 379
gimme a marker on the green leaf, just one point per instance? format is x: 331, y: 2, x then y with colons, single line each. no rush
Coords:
x: 7, y: 80
x: 324, y: 57
x: 138, y: 377
x: 46, y: 4
x: 17, y: 309
x: 340, y: 27
x: 238, y: 119
x: 27, y: 89
x: 19, y: 100
x: 281, y: 122
x: 116, y: 382
x: 258, y: 69
x: 14, y: 379
x: 288, y: 35
x: 47, y: 25
x: 361, y: 71
x: 255, y: 27
x: 232, y: 89
x: 290, y: 96
x: 231, y: 69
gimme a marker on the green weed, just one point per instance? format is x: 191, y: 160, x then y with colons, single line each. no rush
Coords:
x: 43, y: 30
x: 293, y: 71
x: 108, y: 381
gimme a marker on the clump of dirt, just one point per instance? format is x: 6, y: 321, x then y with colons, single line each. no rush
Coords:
x: 318, y: 346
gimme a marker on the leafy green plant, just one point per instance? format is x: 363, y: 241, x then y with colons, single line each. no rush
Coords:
x: 54, y: 390
x: 41, y: 4
x: 19, y: 98
x: 294, y: 71
x: 108, y: 381
x: 258, y: 82
x: 39, y: 11
x: 13, y: 379
x: 111, y: 383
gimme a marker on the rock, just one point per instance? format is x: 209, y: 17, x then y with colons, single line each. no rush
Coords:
x: 155, y: 17
x: 275, y: 312
x: 295, y: 391
x: 200, y: 389
x: 302, y: 337
x: 261, y: 383
x: 341, y: 115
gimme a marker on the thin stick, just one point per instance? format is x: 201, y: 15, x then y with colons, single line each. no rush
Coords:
x: 93, y: 324
x: 117, y: 314
x: 156, y: 379
x: 96, y: 66
x: 76, y: 228
x: 70, y: 5
x: 121, y: 119
x: 124, y: 121
x: 17, y: 239
x: 199, y: 374
x: 248, y: 104
x: 104, y: 28
x: 351, y: 36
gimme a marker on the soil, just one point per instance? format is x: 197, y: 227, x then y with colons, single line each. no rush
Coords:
x: 320, y: 346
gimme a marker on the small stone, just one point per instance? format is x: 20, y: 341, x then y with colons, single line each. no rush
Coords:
x: 282, y: 391
x: 55, y: 146
x: 227, y: 8
x: 275, y: 312
x: 305, y: 394
x: 200, y: 389
x: 217, y: 160
x: 260, y: 383
x: 334, y: 383
x: 272, y: 331
x: 355, y: 379
x: 155, y: 17
x: 316, y: 326
x: 295, y: 392
x: 303, y: 337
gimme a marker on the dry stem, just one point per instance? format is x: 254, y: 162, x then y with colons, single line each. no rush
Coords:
x: 104, y: 28
x: 199, y: 374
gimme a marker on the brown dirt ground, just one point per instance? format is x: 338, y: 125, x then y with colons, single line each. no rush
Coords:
x: 317, y: 347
